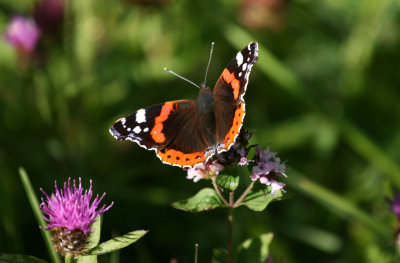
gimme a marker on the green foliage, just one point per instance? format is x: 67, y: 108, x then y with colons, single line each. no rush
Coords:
x: 11, y: 258
x: 219, y: 255
x: 117, y: 243
x: 259, y: 199
x: 255, y: 249
x: 93, y: 242
x: 33, y: 200
x: 228, y: 182
x: 205, y: 199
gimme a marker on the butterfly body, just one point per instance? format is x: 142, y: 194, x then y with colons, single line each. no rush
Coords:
x: 187, y: 132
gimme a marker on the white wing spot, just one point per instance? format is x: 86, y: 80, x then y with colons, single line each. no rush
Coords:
x: 141, y: 116
x: 248, y: 59
x: 129, y: 129
x: 244, y: 66
x: 123, y: 120
x: 240, y: 74
x: 146, y: 129
x: 239, y: 59
x: 137, y: 130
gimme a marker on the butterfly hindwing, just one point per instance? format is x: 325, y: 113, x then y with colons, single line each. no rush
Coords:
x: 173, y: 129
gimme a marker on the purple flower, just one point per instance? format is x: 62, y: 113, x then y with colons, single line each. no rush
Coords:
x: 238, y: 152
x: 23, y: 34
x: 70, y: 215
x: 395, y: 205
x: 204, y: 171
x: 268, y: 169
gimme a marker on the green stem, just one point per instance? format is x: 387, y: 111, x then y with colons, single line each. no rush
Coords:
x: 214, y: 183
x: 38, y: 214
x: 237, y: 203
x: 196, y: 252
x: 69, y: 259
x: 230, y: 232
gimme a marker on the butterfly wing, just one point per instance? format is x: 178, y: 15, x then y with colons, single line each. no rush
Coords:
x: 173, y: 129
x: 229, y: 105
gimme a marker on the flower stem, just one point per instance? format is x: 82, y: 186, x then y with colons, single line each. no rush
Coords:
x: 237, y: 203
x: 230, y: 230
x: 196, y: 252
x: 69, y: 259
x: 214, y: 183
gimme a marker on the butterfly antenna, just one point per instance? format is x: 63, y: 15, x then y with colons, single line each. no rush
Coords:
x: 208, y: 64
x: 179, y: 76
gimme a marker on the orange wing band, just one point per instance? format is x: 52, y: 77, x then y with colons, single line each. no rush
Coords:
x: 176, y: 157
x: 156, y: 133
x: 234, y: 130
x: 235, y: 83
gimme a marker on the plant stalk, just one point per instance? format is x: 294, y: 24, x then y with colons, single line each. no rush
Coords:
x: 230, y: 228
x: 230, y: 234
x: 214, y: 183
x: 237, y: 203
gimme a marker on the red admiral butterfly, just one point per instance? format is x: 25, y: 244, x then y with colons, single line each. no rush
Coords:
x: 187, y: 132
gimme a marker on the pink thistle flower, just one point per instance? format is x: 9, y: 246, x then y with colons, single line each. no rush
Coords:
x: 70, y: 215
x: 23, y: 34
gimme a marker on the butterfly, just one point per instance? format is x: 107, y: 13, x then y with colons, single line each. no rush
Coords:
x: 188, y: 132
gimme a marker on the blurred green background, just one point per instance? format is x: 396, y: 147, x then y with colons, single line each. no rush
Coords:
x: 324, y: 93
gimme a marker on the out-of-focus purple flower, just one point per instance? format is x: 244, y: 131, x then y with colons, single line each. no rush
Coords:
x: 268, y: 168
x: 49, y: 16
x: 395, y: 205
x: 204, y: 171
x: 23, y: 34
x: 70, y: 214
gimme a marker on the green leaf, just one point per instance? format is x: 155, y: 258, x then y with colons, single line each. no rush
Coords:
x: 228, y: 182
x: 94, y: 237
x: 12, y: 258
x: 117, y: 242
x: 255, y: 249
x: 93, y: 241
x: 219, y: 255
x: 259, y: 200
x: 33, y: 200
x: 205, y: 199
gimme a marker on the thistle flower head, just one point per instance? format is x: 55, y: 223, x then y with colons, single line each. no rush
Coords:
x: 70, y: 215
x: 23, y: 34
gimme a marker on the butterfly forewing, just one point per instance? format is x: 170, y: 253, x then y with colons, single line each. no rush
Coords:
x: 229, y: 105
